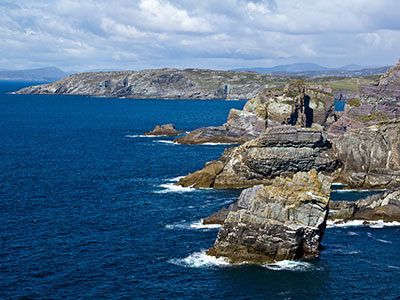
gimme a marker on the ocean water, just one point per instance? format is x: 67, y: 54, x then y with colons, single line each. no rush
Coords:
x: 88, y: 210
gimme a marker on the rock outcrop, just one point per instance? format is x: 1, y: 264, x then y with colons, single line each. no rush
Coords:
x: 165, y: 130
x: 161, y: 84
x: 283, y: 150
x: 386, y: 90
x: 384, y: 206
x: 377, y: 101
x: 370, y: 156
x: 284, y: 220
x: 295, y: 104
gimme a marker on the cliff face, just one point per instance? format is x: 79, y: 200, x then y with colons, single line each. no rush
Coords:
x: 375, y: 102
x: 283, y: 150
x: 296, y: 104
x: 386, y: 90
x: 284, y: 220
x: 161, y: 83
x: 370, y: 156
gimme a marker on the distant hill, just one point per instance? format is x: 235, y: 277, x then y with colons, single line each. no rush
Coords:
x: 314, y: 70
x: 41, y: 74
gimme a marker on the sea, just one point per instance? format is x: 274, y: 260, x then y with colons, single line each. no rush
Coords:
x: 89, y: 210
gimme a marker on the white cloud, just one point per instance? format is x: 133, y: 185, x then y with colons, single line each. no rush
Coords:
x: 79, y: 35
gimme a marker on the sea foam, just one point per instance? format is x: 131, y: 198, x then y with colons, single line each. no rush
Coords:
x: 194, y: 225
x: 200, y: 260
x: 288, y: 265
x: 173, y: 188
x: 371, y: 224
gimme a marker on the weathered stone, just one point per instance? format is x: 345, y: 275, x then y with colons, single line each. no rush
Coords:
x: 283, y: 150
x: 375, y: 102
x: 283, y: 220
x: 370, y: 156
x: 296, y: 104
x: 165, y: 130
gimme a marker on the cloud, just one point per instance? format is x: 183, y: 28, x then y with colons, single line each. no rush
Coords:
x: 125, y: 34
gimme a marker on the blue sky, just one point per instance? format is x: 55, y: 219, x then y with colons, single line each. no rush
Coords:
x: 77, y: 35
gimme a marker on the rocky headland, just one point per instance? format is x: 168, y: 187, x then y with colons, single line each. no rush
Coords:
x: 284, y: 220
x: 162, y: 84
x: 289, y: 159
x: 164, y: 130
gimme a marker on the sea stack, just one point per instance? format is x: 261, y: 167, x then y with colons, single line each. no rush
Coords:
x: 284, y: 220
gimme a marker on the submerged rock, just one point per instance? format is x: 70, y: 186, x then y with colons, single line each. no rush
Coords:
x: 284, y: 220
x: 283, y: 150
x: 165, y: 130
x: 384, y: 206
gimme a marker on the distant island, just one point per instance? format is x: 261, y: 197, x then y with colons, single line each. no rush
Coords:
x: 41, y: 74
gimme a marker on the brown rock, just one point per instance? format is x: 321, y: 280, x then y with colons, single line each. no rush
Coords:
x: 165, y: 130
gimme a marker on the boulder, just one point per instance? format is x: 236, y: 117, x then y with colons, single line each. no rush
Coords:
x: 284, y: 220
x: 165, y: 130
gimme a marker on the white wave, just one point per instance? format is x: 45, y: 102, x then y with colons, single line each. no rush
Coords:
x: 352, y: 233
x: 199, y: 225
x: 339, y: 223
x: 200, y: 260
x: 166, y: 142
x: 360, y: 191
x: 139, y: 135
x: 194, y: 225
x: 173, y: 188
x: 371, y: 224
x: 383, y: 241
x: 175, y: 179
x: 287, y: 265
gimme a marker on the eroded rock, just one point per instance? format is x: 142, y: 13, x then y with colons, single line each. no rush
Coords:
x: 283, y: 150
x: 284, y: 220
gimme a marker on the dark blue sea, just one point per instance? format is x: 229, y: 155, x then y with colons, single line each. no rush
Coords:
x: 88, y: 211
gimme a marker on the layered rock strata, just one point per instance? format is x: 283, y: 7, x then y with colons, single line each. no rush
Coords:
x: 384, y: 206
x: 283, y: 150
x: 284, y: 220
x: 296, y: 104
x: 165, y: 130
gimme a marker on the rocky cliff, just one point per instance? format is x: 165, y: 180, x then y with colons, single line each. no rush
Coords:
x: 161, y: 83
x: 281, y: 150
x: 370, y: 156
x: 375, y: 102
x: 284, y: 220
x: 295, y: 104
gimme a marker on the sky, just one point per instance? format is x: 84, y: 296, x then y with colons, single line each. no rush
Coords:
x: 77, y: 35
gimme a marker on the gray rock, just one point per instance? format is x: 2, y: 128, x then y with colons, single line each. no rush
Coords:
x: 283, y: 220
x: 384, y: 206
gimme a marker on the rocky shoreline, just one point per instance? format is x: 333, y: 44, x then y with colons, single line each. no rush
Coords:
x: 291, y: 152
